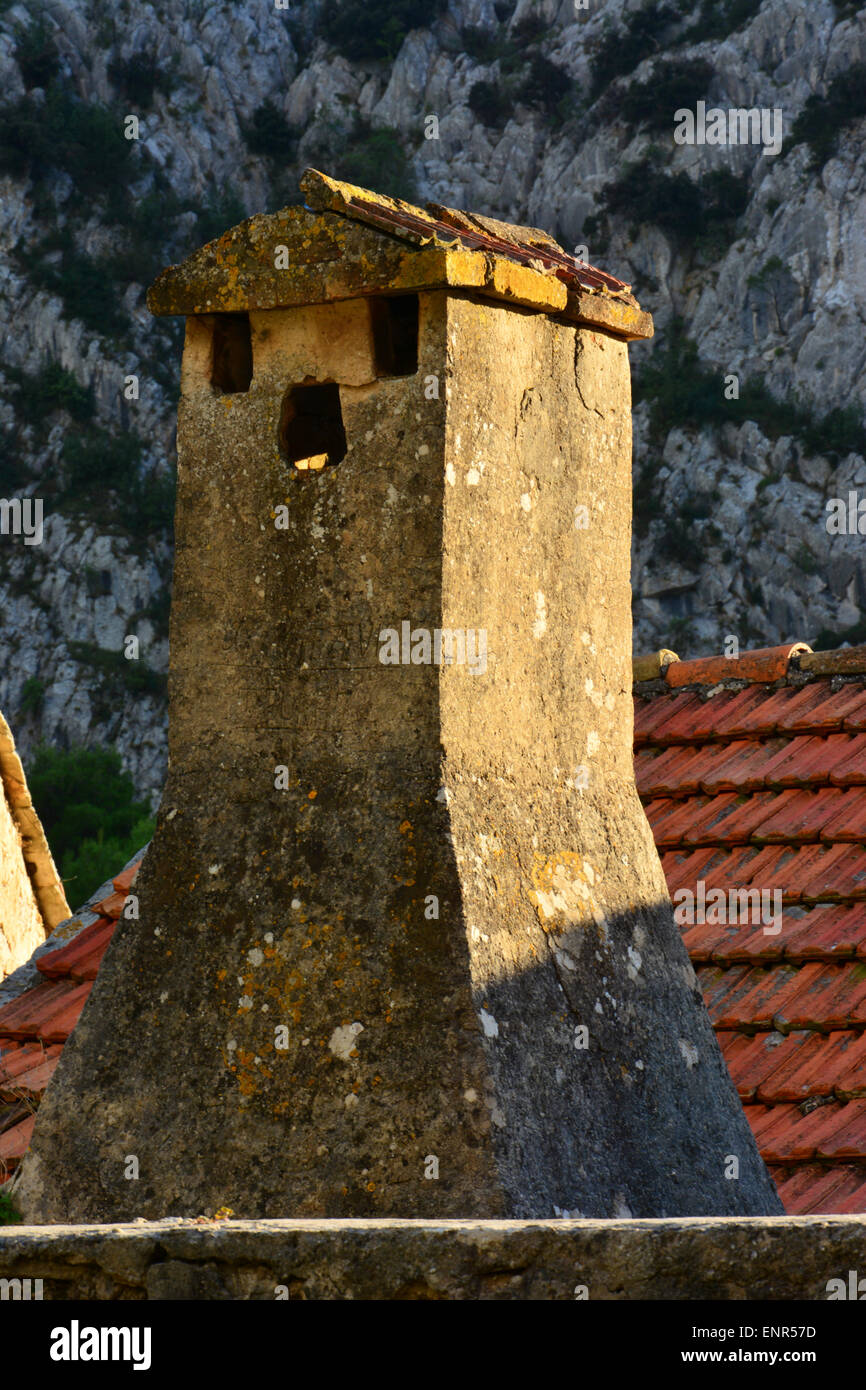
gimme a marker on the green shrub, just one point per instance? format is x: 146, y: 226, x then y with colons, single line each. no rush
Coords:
x: 619, y: 51
x: 373, y: 30
x: 99, y: 459
x: 13, y: 474
x: 647, y: 501
x: 480, y: 44
x: 489, y: 102
x: 32, y: 695
x: 373, y: 158
x: 119, y: 671
x: 139, y: 76
x: 545, y: 85
x: 270, y: 134
x: 36, y: 54
x: 51, y: 388
x: 822, y: 119
x: 8, y: 1214
x: 684, y: 208
x: 679, y: 82
x: 81, y: 794
x: 101, y: 858
x: 86, y: 286
x: 152, y: 500
x: 719, y: 18
x: 681, y: 391
x: 64, y: 135
x: 219, y: 212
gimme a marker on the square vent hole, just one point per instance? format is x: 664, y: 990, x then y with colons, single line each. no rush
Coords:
x: 394, y: 320
x: 312, y: 436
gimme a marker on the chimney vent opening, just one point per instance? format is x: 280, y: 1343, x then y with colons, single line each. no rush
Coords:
x: 312, y: 436
x: 232, y: 361
x: 394, y: 320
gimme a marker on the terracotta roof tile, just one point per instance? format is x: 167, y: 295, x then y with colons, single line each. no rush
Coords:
x: 13, y: 1144
x: 849, y: 821
x: 728, y: 819
x: 744, y: 770
x: 847, y: 1198
x: 32, y: 1079
x: 749, y: 1058
x: 82, y: 957
x: 818, y: 1189
x: 49, y: 1011
x: 126, y: 878
x: 765, y: 788
x: 799, y: 815
x: 825, y: 931
x: 112, y: 906
x: 844, y: 1134
x: 664, y: 720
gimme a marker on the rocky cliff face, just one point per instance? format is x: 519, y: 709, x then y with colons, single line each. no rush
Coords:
x: 749, y: 405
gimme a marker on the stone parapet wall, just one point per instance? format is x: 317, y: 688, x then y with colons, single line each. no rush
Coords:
x: 690, y: 1258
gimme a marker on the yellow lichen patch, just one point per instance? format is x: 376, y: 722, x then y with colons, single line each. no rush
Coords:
x: 562, y: 888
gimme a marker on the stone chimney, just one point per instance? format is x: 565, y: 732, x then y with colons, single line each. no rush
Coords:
x: 404, y: 947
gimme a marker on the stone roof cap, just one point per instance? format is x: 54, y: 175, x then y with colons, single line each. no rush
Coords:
x: 346, y: 242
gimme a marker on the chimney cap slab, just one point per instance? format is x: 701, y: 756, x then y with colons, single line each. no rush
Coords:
x: 348, y: 242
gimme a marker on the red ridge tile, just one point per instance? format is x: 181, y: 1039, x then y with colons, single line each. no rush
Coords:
x: 126, y: 877
x: 763, y: 664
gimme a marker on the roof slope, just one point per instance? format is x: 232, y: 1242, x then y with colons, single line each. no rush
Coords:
x: 761, y: 784
x: 40, y: 1005
x: 347, y: 242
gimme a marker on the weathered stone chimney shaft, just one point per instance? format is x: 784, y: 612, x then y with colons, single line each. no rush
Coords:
x: 405, y: 946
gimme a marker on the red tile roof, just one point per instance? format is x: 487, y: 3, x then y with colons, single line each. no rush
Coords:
x: 753, y: 776
x: 35, y: 1023
x: 752, y: 773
